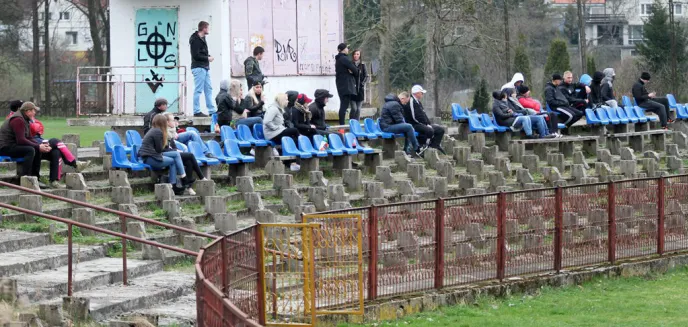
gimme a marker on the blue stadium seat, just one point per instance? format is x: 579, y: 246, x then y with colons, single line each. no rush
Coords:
x: 640, y: 112
x: 305, y: 145
x: 227, y: 133
x: 336, y: 144
x: 475, y: 125
x: 197, y: 150
x: 355, y: 128
x: 216, y: 149
x: 630, y: 113
x: 352, y: 143
x: 260, y: 135
x: 491, y: 122
x: 372, y: 127
x: 319, y: 139
x: 120, y: 160
x: 458, y: 113
x: 623, y: 116
x: 592, y: 118
x: 213, y: 122
x: 290, y: 149
x: 133, y: 138
x: 232, y: 150
x: 244, y: 134
x: 604, y: 115
x: 112, y: 139
x: 611, y: 112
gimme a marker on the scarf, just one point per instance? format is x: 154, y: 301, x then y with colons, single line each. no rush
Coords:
x: 306, y: 113
x: 357, y: 62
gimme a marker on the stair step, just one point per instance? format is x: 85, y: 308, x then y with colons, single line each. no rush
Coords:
x: 179, y: 312
x: 13, y: 240
x: 31, y: 260
x: 87, y: 275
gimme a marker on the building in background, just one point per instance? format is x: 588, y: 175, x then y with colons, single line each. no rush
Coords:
x: 69, y: 28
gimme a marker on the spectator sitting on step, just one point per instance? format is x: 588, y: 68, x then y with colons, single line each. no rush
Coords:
x: 292, y: 96
x: 317, y: 109
x: 14, y: 106
x: 392, y: 121
x: 596, y: 98
x: 428, y: 134
x: 532, y: 105
x: 153, y: 153
x: 228, y: 102
x: 160, y: 107
x: 302, y: 117
x: 575, y: 93
x: 255, y: 101
x: 36, y: 129
x: 607, y: 89
x: 515, y: 118
x: 16, y: 142
x: 188, y: 159
x: 537, y: 122
x: 559, y: 103
x: 515, y: 83
x: 274, y: 124
x: 650, y: 101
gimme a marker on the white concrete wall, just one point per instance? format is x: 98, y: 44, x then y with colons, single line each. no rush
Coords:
x: 216, y: 12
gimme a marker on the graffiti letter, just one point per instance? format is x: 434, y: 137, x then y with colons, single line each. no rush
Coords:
x: 142, y: 29
x: 171, y: 60
x: 171, y: 29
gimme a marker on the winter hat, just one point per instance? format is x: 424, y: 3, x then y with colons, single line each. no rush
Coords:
x: 15, y: 105
x: 523, y: 89
x: 341, y: 47
x: 645, y: 75
x: 556, y: 77
x: 322, y: 94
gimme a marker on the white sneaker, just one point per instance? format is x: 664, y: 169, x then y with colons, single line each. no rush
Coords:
x: 295, y: 167
x: 204, y: 179
x: 275, y: 153
x: 252, y: 152
x: 190, y: 191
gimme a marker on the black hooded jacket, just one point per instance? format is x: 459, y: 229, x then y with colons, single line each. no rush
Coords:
x: 291, y: 98
x: 554, y: 98
x: 199, y: 52
x: 346, y: 75
x: 392, y: 112
x: 596, y: 96
x: 640, y: 93
x: 317, y: 109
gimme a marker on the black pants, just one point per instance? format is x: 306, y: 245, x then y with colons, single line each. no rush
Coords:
x: 661, y: 110
x: 434, y: 133
x: 28, y: 153
x: 569, y: 115
x: 552, y: 122
x: 343, y: 107
x: 289, y: 132
x: 190, y: 164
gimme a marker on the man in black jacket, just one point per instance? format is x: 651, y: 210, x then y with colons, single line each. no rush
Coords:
x: 428, y: 134
x: 577, y: 99
x: 252, y: 68
x: 317, y: 109
x: 392, y: 121
x: 559, y: 103
x: 346, y: 77
x: 649, y: 101
x: 200, y: 68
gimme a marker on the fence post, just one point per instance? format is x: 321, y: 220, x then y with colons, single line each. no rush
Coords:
x: 223, y: 249
x: 261, y: 275
x: 439, y: 250
x: 501, y: 244
x: 558, y: 228
x: 123, y: 221
x: 372, y: 259
x: 660, y: 215
x: 611, y: 230
x: 69, y: 260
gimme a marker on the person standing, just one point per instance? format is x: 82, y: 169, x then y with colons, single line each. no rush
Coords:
x: 200, y: 68
x: 357, y: 100
x: 346, y: 76
x: 428, y: 134
x: 649, y: 101
x: 252, y: 68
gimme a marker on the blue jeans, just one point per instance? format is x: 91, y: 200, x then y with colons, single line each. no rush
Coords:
x: 166, y: 162
x: 177, y: 161
x: 540, y: 124
x: 524, y: 123
x: 187, y: 137
x: 202, y: 85
x: 406, y: 129
x: 249, y: 121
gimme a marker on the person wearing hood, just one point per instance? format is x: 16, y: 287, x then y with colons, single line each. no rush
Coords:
x: 252, y: 68
x: 515, y: 83
x: 274, y: 124
x: 160, y: 107
x: 229, y: 101
x: 200, y: 68
x: 14, y: 106
x: 650, y: 101
x: 346, y: 75
x: 317, y: 109
x: 255, y: 100
x: 292, y: 96
x: 301, y: 116
x: 607, y: 88
x: 537, y: 122
x: 392, y: 121
x: 596, y: 98
x: 559, y: 103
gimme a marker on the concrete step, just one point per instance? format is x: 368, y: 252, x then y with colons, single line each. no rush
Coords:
x: 31, y: 260
x: 13, y: 240
x: 141, y: 293
x: 179, y: 312
x: 49, y: 284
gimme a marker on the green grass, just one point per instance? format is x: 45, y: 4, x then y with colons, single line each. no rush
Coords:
x: 233, y: 206
x: 56, y: 127
x: 183, y: 265
x: 653, y: 301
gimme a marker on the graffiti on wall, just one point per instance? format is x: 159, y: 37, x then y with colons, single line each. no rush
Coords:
x: 157, y: 55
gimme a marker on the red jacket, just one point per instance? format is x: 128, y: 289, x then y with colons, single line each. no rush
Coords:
x: 529, y: 103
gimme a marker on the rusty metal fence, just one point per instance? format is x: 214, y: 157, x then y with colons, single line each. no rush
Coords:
x: 424, y: 245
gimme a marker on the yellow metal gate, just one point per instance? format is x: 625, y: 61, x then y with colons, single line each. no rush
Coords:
x: 311, y: 268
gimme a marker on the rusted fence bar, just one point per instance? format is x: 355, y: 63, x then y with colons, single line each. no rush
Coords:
x: 611, y: 212
x: 501, y: 231
x: 558, y: 228
x: 439, y: 244
x: 660, y: 216
x: 372, y: 259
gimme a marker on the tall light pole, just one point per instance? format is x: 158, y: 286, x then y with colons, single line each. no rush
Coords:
x: 673, y: 47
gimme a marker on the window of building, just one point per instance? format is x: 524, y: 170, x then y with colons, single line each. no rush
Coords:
x: 609, y: 35
x: 72, y: 37
x: 65, y: 15
x: 635, y: 34
x: 645, y: 9
x: 678, y: 9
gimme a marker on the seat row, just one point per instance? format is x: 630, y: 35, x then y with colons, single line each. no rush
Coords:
x: 323, y: 146
x: 480, y: 123
x: 372, y: 130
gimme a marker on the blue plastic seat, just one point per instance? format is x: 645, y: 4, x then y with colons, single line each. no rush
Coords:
x: 111, y: 140
x: 640, y: 112
x: 681, y: 112
x: 213, y: 122
x: 197, y: 150
x: 630, y: 112
x: 355, y: 128
x: 260, y: 135
x: 490, y: 122
x: 377, y: 123
x: 622, y: 115
x: 458, y: 113
x: 372, y: 126
x: 352, y: 143
x: 193, y: 129
x: 336, y: 143
x: 592, y: 118
x: 475, y: 125
x: 135, y: 154
x: 290, y: 149
x: 120, y: 160
x: 611, y: 112
x: 227, y: 133
x: 319, y: 139
x: 244, y: 134
x: 216, y: 149
x: 133, y: 138
x: 626, y: 101
x: 232, y: 150
x: 305, y: 145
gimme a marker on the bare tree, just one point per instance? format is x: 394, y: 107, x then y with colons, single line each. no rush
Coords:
x: 582, y: 42
x: 46, y: 51
x: 36, y: 59
x: 98, y: 16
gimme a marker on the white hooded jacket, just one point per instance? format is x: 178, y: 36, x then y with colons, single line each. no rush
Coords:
x: 518, y: 77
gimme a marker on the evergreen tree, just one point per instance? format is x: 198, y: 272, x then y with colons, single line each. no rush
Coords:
x: 655, y: 50
x: 521, y: 59
x: 481, y: 97
x: 557, y: 59
x: 592, y: 66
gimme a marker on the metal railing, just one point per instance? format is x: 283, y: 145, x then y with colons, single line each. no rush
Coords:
x: 425, y: 245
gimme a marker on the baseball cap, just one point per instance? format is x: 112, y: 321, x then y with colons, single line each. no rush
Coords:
x: 322, y: 93
x: 417, y: 88
x: 303, y: 99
